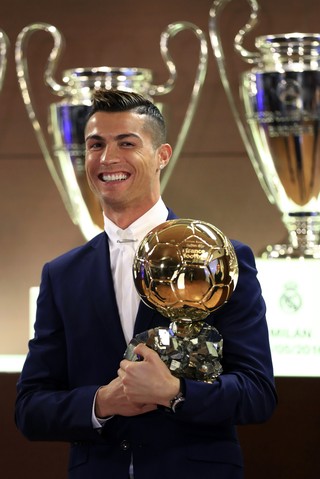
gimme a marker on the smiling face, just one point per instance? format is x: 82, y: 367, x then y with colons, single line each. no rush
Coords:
x: 123, y: 164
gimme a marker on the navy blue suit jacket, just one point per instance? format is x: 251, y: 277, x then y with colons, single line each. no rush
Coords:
x: 78, y: 346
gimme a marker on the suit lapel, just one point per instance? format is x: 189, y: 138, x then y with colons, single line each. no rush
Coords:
x: 102, y: 289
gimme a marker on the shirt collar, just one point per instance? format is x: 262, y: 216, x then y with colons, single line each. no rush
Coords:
x: 139, y: 228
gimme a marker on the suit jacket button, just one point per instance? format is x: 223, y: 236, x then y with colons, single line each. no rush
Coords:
x: 125, y: 445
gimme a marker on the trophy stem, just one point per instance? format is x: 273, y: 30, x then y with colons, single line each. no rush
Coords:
x: 304, y: 238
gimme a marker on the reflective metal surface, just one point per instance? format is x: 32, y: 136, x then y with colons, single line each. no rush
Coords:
x: 279, y: 125
x: 4, y: 47
x: 64, y: 153
x: 185, y: 269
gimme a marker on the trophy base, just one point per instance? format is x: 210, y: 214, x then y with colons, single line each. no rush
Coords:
x: 195, y: 357
x: 303, y: 240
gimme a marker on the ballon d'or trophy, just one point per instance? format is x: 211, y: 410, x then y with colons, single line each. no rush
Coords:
x: 64, y: 148
x: 185, y: 269
x: 277, y: 112
x: 4, y: 47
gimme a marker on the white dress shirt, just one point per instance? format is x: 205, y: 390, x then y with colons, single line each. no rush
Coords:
x: 123, y: 245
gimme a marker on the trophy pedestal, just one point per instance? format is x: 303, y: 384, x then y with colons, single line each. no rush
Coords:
x: 194, y: 357
x: 303, y: 240
x: 290, y: 289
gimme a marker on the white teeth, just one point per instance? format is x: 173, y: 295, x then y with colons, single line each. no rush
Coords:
x: 114, y: 177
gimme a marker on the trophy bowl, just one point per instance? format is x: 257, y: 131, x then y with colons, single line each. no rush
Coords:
x: 185, y: 269
x: 281, y: 102
x: 278, y: 120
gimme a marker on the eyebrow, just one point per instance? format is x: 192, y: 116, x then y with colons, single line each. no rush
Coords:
x: 118, y: 137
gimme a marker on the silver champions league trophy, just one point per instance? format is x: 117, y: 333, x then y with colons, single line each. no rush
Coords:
x: 278, y: 119
x: 4, y: 47
x: 65, y: 157
x: 185, y: 269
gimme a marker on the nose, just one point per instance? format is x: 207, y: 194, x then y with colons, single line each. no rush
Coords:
x: 109, y: 154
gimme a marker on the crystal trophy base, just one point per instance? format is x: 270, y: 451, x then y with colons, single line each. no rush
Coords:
x: 194, y: 356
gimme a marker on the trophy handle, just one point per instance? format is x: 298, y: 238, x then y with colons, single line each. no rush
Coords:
x: 171, y: 30
x: 4, y: 47
x: 26, y: 91
x: 249, y: 57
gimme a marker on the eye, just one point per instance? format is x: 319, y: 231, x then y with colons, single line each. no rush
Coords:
x: 94, y: 145
x: 126, y: 144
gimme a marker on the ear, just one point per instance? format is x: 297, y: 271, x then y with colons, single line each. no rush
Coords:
x: 165, y: 153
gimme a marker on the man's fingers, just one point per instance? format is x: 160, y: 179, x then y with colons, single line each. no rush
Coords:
x: 144, y: 351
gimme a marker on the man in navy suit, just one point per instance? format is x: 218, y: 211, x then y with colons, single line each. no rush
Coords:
x: 135, y: 419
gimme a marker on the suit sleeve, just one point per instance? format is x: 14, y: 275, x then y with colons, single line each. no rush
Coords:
x: 47, y: 408
x: 245, y: 392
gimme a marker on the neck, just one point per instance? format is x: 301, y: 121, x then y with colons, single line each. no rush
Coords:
x: 125, y: 217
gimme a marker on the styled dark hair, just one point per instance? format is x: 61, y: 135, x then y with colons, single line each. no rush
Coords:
x: 112, y: 101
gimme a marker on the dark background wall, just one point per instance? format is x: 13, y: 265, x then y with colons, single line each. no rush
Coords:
x: 213, y: 181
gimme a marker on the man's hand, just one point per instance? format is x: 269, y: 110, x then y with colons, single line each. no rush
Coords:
x: 112, y: 400
x: 148, y: 381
